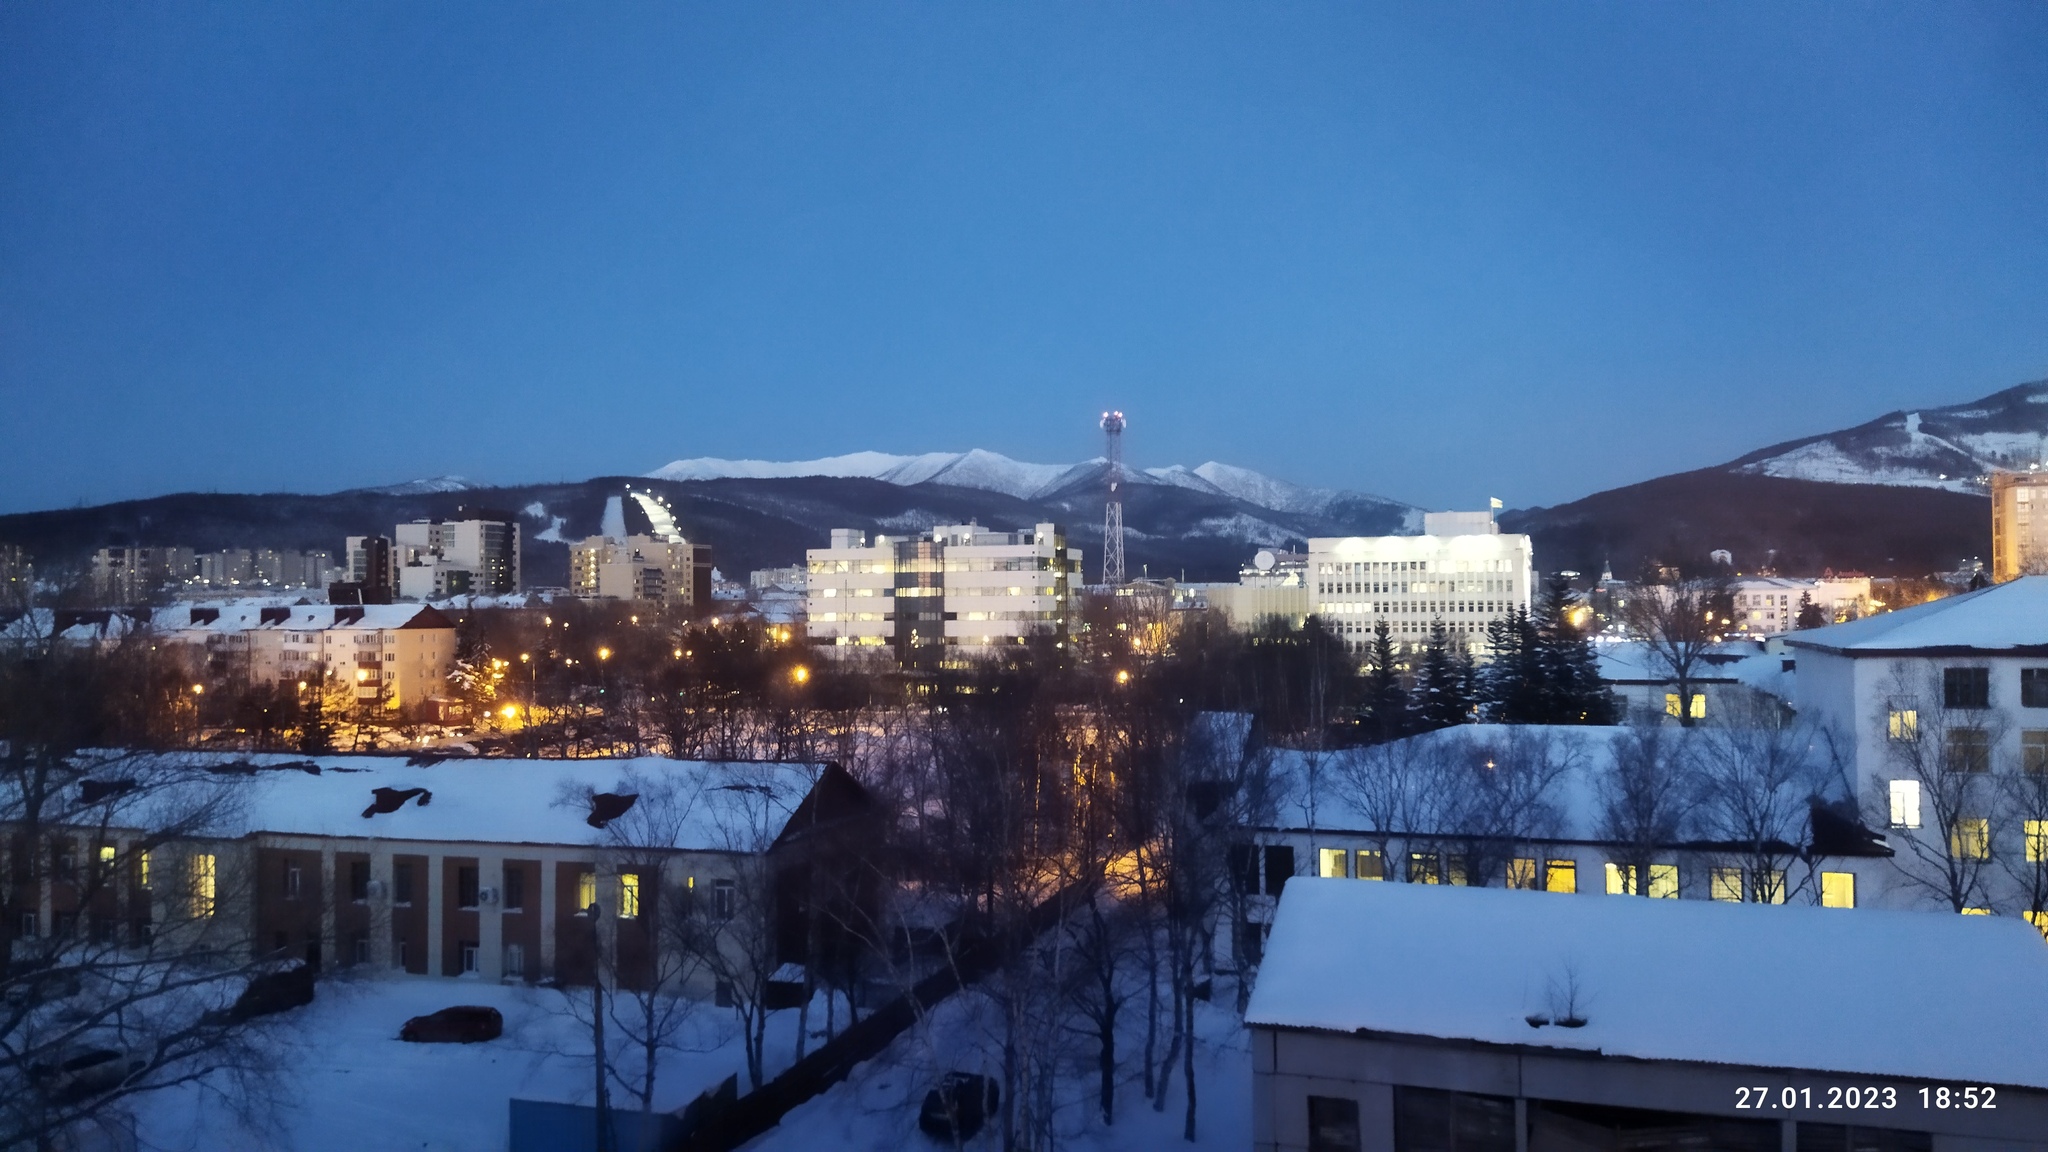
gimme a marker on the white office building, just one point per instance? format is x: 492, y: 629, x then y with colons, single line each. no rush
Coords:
x: 957, y: 587
x: 437, y: 558
x: 1769, y: 605
x: 1463, y: 570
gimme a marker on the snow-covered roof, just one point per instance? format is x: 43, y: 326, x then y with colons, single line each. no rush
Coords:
x: 2004, y: 617
x: 1693, y: 980
x: 519, y: 801
x: 250, y: 616
x: 1581, y: 753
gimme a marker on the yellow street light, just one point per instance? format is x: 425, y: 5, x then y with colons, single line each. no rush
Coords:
x: 604, y: 653
x: 508, y: 711
x: 678, y: 653
x: 523, y: 656
x: 199, y: 689
x: 1123, y: 676
x: 800, y: 674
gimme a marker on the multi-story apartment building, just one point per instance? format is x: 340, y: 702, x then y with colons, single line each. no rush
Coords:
x: 132, y: 575
x: 438, y: 558
x: 1941, y: 710
x: 1463, y: 570
x: 2019, y: 525
x: 400, y: 654
x: 652, y: 568
x: 930, y: 598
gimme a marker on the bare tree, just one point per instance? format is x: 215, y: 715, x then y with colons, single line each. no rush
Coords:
x: 1487, y: 801
x: 1675, y: 621
x: 1760, y: 771
x: 1937, y: 786
x: 1649, y: 793
x: 2026, y: 803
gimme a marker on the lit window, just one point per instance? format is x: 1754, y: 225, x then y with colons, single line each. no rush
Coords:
x: 1905, y: 803
x: 586, y: 889
x: 1970, y: 839
x: 142, y: 869
x: 1663, y: 881
x: 2039, y: 920
x: 1454, y: 867
x: 1725, y: 884
x: 1976, y: 911
x: 1522, y: 873
x: 1371, y: 865
x: 1838, y: 889
x: 106, y: 855
x: 1422, y: 868
x: 1331, y: 862
x: 204, y: 878
x: 1902, y: 724
x: 629, y: 895
x: 1561, y: 876
x: 1621, y: 879
x: 1698, y: 708
x: 2037, y: 841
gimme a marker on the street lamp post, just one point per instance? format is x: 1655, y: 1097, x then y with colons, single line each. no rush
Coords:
x: 597, y: 1018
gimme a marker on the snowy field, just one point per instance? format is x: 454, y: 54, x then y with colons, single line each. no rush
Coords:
x: 350, y: 1084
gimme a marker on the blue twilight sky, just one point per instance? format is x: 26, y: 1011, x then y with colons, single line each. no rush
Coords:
x: 1433, y: 250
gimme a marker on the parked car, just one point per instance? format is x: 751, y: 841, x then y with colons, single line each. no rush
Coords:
x: 462, y: 1024
x: 956, y: 1109
x: 75, y: 1074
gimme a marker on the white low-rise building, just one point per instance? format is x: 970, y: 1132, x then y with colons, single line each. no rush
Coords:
x: 1462, y: 570
x: 1393, y: 1018
x: 1770, y: 605
x: 957, y: 587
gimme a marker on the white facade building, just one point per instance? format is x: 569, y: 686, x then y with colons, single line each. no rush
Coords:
x: 669, y: 571
x: 399, y: 653
x: 1769, y: 605
x: 1942, y: 709
x: 958, y: 586
x: 1462, y: 570
x: 436, y: 559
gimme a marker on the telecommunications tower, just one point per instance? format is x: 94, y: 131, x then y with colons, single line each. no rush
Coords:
x: 1113, y: 514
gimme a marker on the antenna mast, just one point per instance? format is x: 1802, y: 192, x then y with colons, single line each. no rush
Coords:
x: 1113, y: 513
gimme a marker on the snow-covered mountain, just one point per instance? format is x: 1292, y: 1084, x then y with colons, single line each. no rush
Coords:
x: 994, y: 472
x: 1954, y: 448
x: 423, y: 487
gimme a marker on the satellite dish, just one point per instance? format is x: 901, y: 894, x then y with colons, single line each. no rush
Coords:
x: 1265, y: 560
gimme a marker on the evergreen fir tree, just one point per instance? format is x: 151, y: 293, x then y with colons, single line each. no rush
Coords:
x: 1385, y: 714
x: 1570, y: 674
x: 316, y: 733
x: 1441, y: 698
x: 1810, y: 615
x: 1511, y: 683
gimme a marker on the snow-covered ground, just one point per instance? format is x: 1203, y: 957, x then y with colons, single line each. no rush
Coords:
x: 875, y: 1109
x: 351, y: 1084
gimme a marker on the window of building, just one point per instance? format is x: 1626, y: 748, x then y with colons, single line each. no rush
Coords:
x: 1976, y: 911
x: 203, y: 878
x: 359, y: 948
x: 586, y: 890
x: 1967, y: 750
x: 2034, y: 750
x: 1561, y: 876
x: 28, y: 926
x: 1725, y: 884
x: 1966, y: 687
x: 629, y: 895
x: 1663, y: 882
x: 142, y: 869
x: 401, y: 883
x: 1970, y: 839
x: 2034, y: 687
x: 469, y: 950
x: 1768, y: 886
x: 515, y: 960
x: 1333, y: 1125
x: 291, y: 881
x: 1847, y: 1138
x: 1422, y: 868
x: 1331, y: 862
x: 1838, y: 889
x: 1522, y: 873
x: 2037, y: 841
x: 359, y: 880
x: 515, y: 889
x: 1279, y: 866
x: 1902, y: 724
x: 724, y: 899
x: 1621, y: 879
x: 1698, y: 708
x: 106, y: 860
x: 1371, y: 865
x: 1427, y: 1120
x: 1905, y: 797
